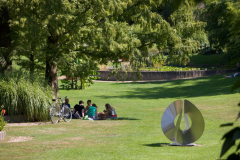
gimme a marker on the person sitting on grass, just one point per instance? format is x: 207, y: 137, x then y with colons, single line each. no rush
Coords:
x: 67, y: 103
x: 79, y: 110
x: 110, y: 111
x: 235, y: 74
x: 92, y: 112
x: 89, y: 103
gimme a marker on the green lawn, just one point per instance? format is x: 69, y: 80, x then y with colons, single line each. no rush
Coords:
x: 137, y: 133
x: 211, y: 60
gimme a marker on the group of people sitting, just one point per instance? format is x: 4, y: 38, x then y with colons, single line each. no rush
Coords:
x: 91, y: 110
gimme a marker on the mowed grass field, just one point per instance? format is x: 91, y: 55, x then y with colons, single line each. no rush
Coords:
x: 214, y: 59
x: 137, y: 133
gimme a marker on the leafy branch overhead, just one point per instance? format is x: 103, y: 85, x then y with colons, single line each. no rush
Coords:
x: 231, y: 138
x: 46, y: 32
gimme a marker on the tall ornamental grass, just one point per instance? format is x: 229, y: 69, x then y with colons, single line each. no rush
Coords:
x: 24, y: 95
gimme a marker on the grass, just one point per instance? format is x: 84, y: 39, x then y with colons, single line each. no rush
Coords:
x: 137, y: 133
x: 211, y: 60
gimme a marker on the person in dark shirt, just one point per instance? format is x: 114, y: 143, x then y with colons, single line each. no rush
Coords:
x: 235, y: 74
x: 79, y: 110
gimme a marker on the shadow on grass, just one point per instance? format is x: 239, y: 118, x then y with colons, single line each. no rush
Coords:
x: 63, y: 89
x: 156, y: 144
x: 208, y: 86
x: 125, y: 118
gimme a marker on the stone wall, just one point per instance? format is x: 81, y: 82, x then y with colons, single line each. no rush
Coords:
x: 154, y: 75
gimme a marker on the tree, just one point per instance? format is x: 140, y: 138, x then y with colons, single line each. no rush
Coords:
x: 99, y: 30
x: 80, y: 69
x: 28, y: 35
x: 189, y: 31
x: 218, y: 21
x: 234, y: 37
x: 223, y: 26
x: 5, y: 40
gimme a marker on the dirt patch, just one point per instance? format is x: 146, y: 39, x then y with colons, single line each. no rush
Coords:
x: 19, y: 139
x: 27, y: 124
x: 75, y: 138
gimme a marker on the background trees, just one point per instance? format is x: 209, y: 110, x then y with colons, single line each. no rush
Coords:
x: 223, y: 26
x: 44, y: 34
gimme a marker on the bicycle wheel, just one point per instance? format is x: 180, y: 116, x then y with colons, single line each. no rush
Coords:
x: 66, y: 113
x: 54, y: 115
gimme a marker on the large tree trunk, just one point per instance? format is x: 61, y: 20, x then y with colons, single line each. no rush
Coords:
x: 31, y: 58
x: 76, y: 84
x: 81, y: 86
x: 5, y: 40
x: 31, y: 64
x: 51, y: 73
x: 72, y: 82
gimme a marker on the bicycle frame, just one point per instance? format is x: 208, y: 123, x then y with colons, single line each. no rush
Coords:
x: 59, y: 110
x: 59, y: 103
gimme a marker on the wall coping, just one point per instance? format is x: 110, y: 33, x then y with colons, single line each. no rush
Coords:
x: 160, y: 75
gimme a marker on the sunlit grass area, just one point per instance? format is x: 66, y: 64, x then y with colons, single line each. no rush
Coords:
x: 137, y: 133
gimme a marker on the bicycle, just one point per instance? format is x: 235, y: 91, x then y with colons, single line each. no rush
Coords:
x: 60, y: 111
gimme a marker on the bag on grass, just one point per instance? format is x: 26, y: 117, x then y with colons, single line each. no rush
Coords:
x: 85, y: 117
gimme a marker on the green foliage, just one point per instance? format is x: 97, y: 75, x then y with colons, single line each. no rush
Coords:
x: 231, y: 138
x: 158, y: 60
x: 190, y: 33
x: 223, y: 26
x: 2, y: 122
x: 65, y: 84
x: 217, y: 18
x: 22, y: 95
x: 50, y: 32
x: 79, y: 69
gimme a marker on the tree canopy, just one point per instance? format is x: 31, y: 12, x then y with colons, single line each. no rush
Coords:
x: 48, y: 33
x: 222, y: 19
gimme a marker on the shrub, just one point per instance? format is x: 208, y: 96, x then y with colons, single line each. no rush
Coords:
x: 2, y: 122
x: 25, y: 95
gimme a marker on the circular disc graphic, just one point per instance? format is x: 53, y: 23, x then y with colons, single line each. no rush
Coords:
x: 188, y: 134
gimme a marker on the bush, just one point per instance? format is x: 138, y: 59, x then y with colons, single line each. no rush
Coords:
x: 25, y: 95
x: 2, y: 122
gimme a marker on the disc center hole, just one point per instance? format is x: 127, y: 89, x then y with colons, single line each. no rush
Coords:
x: 182, y: 123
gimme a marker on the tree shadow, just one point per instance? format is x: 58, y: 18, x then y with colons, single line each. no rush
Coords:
x: 156, y: 145
x: 125, y: 118
x: 208, y: 86
x: 71, y: 89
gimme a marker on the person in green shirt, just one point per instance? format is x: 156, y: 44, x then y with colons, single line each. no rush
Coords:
x: 92, y: 112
